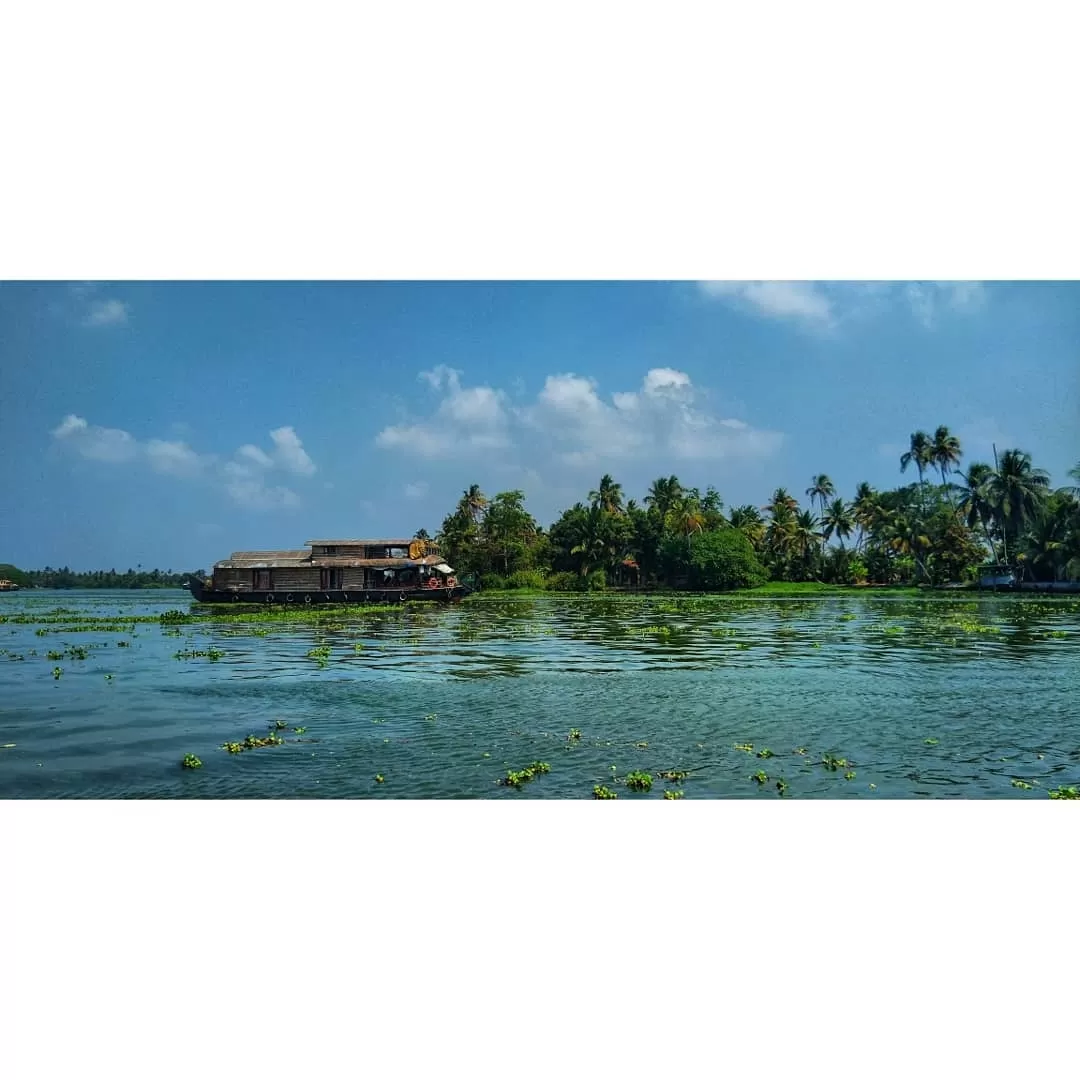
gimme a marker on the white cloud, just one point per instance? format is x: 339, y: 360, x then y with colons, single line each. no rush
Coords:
x: 247, y: 486
x: 174, y: 458
x: 289, y: 452
x: 470, y: 419
x: 246, y: 477
x: 569, y: 421
x: 826, y: 305
x: 804, y: 301
x: 106, y: 313
x: 927, y: 299
x: 96, y: 443
x: 255, y: 456
x: 416, y: 491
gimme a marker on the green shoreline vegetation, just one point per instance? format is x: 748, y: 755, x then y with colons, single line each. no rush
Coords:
x: 933, y: 533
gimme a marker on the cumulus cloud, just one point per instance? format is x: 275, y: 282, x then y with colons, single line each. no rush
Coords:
x: 570, y: 421
x: 175, y: 458
x: 96, y: 443
x: 247, y: 477
x: 289, y: 452
x: 474, y: 418
x: 930, y: 299
x: 821, y: 306
x: 804, y: 301
x: 106, y: 313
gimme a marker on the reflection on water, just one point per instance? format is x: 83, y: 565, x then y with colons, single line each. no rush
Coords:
x: 937, y: 697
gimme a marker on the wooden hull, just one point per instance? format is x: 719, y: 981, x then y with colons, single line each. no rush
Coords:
x: 205, y: 595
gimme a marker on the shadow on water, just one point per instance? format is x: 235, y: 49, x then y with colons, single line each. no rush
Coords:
x: 937, y: 697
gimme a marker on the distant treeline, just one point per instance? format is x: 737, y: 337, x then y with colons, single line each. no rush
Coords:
x: 97, y: 579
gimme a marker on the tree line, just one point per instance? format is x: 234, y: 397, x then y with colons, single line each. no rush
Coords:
x: 65, y: 578
x: 937, y: 530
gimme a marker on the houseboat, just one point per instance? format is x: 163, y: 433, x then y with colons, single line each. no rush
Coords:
x: 8, y: 586
x: 333, y: 572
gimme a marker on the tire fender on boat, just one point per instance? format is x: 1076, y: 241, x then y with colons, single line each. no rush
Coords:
x: 269, y: 598
x: 307, y: 598
x: 288, y: 599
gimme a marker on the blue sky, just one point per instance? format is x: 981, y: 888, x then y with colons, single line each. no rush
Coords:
x: 168, y: 424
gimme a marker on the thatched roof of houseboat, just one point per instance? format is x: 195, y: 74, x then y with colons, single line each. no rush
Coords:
x: 361, y: 543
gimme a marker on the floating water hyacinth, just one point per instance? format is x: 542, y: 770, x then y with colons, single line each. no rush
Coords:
x: 191, y: 762
x: 639, y: 781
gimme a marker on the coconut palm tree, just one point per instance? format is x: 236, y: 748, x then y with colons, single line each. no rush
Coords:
x: 1015, y: 491
x: 974, y: 503
x: 748, y: 520
x: 921, y: 455
x: 821, y: 488
x: 473, y: 502
x: 905, y: 536
x: 945, y: 453
x: 608, y: 496
x: 781, y: 503
x: 838, y: 519
x: 664, y: 495
x: 806, y: 537
x: 689, y: 518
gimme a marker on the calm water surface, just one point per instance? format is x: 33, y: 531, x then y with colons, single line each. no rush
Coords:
x: 936, y: 697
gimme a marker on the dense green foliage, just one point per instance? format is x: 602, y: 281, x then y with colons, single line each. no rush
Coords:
x: 96, y: 579
x: 926, y: 532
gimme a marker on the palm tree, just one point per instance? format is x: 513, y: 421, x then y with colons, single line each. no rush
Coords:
x: 821, y: 488
x: 1016, y: 491
x: 864, y: 509
x: 609, y: 495
x: 689, y: 518
x: 664, y: 495
x: 1074, y: 474
x: 1044, y: 544
x: 905, y: 536
x: 805, y: 536
x: 473, y: 502
x: 945, y: 453
x: 748, y: 520
x: 781, y: 503
x: 974, y: 502
x: 838, y: 519
x: 921, y: 455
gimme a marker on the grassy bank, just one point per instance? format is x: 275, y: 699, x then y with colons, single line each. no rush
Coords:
x: 772, y: 588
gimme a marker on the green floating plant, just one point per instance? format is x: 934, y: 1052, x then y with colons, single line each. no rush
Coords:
x: 639, y: 781
x: 602, y: 792
x: 850, y: 774
x: 674, y: 776
x: 280, y: 725
x: 833, y: 763
x: 641, y: 745
x: 760, y: 776
x: 574, y: 736
x: 747, y: 747
x: 781, y: 786
x: 931, y: 742
x: 764, y: 752
x: 1064, y: 793
x: 300, y: 730
x: 1022, y: 784
x: 379, y: 778
x: 516, y: 778
x: 432, y: 717
x: 669, y: 794
x: 57, y: 672
x: 191, y: 762
x: 800, y: 750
